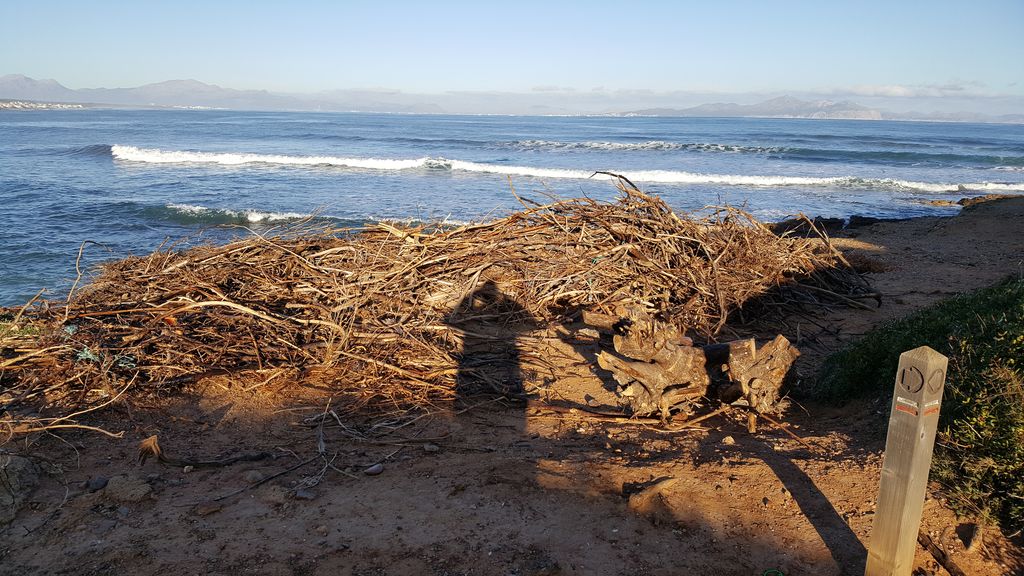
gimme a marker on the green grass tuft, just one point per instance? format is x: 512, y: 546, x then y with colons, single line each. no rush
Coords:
x: 979, y: 456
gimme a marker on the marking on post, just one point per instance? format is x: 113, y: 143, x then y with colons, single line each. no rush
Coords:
x: 908, y: 457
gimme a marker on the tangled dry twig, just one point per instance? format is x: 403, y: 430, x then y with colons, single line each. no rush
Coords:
x: 380, y: 314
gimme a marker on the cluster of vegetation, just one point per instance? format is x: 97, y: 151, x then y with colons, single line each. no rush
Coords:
x: 979, y: 456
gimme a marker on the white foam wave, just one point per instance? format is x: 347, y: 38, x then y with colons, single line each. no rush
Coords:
x: 131, y: 153
x: 154, y: 155
x: 253, y: 216
x: 650, y: 176
x: 659, y: 145
x: 446, y: 221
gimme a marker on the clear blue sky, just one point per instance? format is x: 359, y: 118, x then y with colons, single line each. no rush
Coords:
x: 522, y: 45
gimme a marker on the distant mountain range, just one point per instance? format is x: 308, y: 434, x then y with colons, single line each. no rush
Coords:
x: 782, y: 107
x: 789, y: 107
x: 195, y: 94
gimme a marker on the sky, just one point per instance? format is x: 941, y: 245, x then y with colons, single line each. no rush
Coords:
x: 866, y: 50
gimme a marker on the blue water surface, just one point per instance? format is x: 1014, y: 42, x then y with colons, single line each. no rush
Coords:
x: 132, y: 180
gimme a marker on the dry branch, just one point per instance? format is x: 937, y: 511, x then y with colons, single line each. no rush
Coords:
x: 386, y: 315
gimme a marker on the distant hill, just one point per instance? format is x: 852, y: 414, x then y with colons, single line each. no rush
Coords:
x: 193, y: 93
x: 781, y: 107
x: 18, y: 87
x: 170, y: 93
x: 196, y: 94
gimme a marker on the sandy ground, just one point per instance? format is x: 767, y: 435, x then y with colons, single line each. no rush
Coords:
x: 512, y: 489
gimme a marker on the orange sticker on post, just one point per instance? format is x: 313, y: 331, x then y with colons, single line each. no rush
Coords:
x: 907, y: 409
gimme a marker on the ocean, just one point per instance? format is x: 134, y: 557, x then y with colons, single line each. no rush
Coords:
x: 130, y: 181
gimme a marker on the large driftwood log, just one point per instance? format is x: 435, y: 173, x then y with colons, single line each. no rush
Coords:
x: 756, y: 374
x: 658, y: 368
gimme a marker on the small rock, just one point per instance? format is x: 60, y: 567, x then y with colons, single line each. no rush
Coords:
x: 321, y: 530
x: 374, y: 470
x: 188, y: 469
x: 728, y: 440
x: 304, y: 494
x: 252, y: 476
x: 650, y: 501
x: 125, y: 489
x: 431, y: 448
x: 96, y: 483
x: 123, y: 511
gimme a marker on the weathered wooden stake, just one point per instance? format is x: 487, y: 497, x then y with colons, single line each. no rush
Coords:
x: 913, y: 421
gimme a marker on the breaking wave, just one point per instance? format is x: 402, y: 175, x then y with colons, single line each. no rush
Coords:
x: 151, y: 155
x: 192, y: 214
x: 658, y: 145
x: 902, y: 157
x: 195, y: 214
x: 156, y: 156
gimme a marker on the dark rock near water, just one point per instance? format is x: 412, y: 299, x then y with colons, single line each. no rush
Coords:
x: 968, y: 202
x: 800, y: 226
x: 860, y: 221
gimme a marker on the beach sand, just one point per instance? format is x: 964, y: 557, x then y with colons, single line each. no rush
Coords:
x: 507, y: 490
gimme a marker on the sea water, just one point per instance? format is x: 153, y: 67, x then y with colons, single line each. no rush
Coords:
x: 129, y: 181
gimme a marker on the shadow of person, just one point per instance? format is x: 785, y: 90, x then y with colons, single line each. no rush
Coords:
x: 489, y: 362
x: 847, y: 550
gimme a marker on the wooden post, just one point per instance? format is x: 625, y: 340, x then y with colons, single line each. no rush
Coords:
x: 913, y: 421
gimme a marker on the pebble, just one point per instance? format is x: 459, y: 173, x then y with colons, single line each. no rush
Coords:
x: 252, y: 476
x: 96, y: 483
x: 728, y: 440
x: 188, y: 469
x: 304, y: 494
x: 431, y: 448
x: 374, y: 470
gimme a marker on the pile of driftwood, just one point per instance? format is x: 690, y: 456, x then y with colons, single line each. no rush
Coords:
x: 381, y: 315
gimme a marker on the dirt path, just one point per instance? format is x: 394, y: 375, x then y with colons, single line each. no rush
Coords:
x: 504, y: 489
